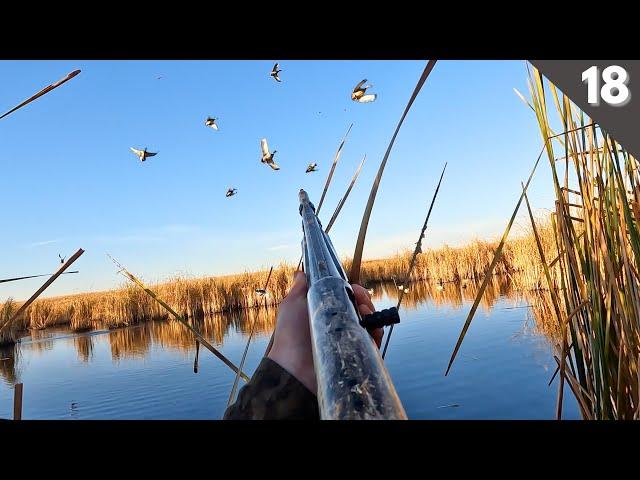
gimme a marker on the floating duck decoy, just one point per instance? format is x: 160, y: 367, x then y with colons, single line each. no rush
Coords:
x: 211, y: 122
x: 61, y: 258
x: 358, y: 94
x: 231, y: 192
x: 266, y: 156
x: 275, y: 71
x: 313, y: 167
x: 143, y: 154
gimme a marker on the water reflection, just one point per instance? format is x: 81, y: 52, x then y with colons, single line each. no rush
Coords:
x: 449, y: 293
x: 84, y: 347
x: 9, y: 356
x: 136, y: 342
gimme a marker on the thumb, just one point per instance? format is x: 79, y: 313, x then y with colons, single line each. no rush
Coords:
x: 376, y: 333
x: 299, y: 283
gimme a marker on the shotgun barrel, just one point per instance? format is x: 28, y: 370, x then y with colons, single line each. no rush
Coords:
x: 353, y: 383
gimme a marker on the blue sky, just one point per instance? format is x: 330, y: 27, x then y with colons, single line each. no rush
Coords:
x: 69, y: 179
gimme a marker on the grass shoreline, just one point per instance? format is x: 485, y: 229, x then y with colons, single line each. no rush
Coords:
x: 201, y: 297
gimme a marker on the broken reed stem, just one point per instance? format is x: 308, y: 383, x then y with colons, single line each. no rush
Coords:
x: 417, y: 249
x: 42, y: 92
x: 201, y: 339
x: 494, y: 262
x: 333, y: 167
x: 354, y: 275
x: 24, y: 306
x: 232, y: 395
x: 4, y: 280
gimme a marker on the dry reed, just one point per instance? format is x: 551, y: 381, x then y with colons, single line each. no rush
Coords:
x: 201, y: 298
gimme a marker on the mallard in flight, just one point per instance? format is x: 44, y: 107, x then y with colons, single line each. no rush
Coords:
x: 275, y: 71
x: 313, y: 167
x: 211, y: 122
x: 143, y: 154
x: 231, y: 192
x: 266, y: 156
x: 358, y: 94
x: 61, y: 258
x: 261, y: 292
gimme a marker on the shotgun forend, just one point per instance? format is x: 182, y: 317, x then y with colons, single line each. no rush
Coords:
x: 353, y: 383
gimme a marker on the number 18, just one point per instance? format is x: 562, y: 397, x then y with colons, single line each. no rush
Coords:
x: 614, y: 91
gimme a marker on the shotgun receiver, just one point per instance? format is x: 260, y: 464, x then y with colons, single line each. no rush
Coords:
x: 353, y: 383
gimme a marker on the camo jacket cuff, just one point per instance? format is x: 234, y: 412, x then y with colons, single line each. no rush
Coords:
x: 273, y: 394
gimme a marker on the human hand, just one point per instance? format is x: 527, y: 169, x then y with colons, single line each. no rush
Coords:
x: 292, y: 338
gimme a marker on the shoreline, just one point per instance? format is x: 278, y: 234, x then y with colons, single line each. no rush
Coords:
x: 195, y: 298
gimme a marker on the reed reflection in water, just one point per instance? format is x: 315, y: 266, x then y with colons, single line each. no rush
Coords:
x: 154, y: 359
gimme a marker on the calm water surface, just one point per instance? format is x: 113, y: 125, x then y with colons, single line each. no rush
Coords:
x: 146, y: 371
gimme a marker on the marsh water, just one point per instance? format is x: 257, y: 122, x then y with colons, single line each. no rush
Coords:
x: 147, y: 371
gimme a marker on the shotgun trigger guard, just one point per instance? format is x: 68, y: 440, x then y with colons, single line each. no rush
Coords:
x: 380, y: 319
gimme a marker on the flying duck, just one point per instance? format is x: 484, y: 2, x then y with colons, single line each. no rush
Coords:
x: 211, y: 122
x: 61, y: 258
x: 266, y: 156
x: 275, y: 71
x: 143, y: 154
x: 358, y: 94
x: 231, y: 192
x: 313, y: 167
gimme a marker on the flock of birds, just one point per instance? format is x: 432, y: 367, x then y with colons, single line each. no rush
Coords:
x: 267, y: 157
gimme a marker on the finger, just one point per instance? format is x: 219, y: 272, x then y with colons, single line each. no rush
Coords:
x: 364, y: 309
x: 362, y: 296
x: 375, y: 333
x: 299, y: 286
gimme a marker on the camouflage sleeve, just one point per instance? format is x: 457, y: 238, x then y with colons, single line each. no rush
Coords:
x: 273, y: 394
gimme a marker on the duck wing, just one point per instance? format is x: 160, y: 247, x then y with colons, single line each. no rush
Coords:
x: 359, y: 85
x: 264, y: 147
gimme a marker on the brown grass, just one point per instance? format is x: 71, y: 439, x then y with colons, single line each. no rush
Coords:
x: 8, y: 335
x: 469, y: 262
x: 202, y: 298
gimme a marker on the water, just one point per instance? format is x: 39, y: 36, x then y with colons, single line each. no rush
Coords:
x: 146, y: 371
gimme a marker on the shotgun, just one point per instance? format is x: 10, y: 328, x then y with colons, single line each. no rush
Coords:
x: 353, y: 383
